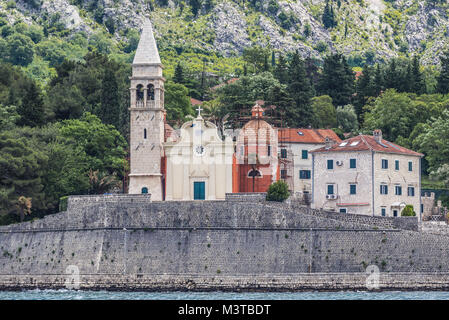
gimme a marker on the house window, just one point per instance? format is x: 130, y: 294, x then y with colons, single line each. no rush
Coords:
x: 352, y: 189
x: 398, y: 190
x: 304, y: 174
x: 343, y: 210
x: 396, y: 164
x: 383, y: 189
x: 383, y: 212
x: 330, y: 164
x: 352, y: 163
x: 410, y: 166
x: 269, y: 150
x: 144, y: 133
x: 305, y: 154
x: 422, y: 208
x: 283, y: 174
x: 384, y: 164
x: 330, y: 189
x: 144, y: 190
x: 283, y: 153
x: 395, y: 213
x: 411, y: 191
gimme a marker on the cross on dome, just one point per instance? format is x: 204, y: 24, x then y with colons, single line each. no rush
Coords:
x: 199, y: 109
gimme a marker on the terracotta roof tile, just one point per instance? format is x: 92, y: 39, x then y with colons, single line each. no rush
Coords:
x: 195, y: 102
x: 365, y: 142
x: 301, y: 135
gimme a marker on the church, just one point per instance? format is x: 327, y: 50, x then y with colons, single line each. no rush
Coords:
x: 197, y: 162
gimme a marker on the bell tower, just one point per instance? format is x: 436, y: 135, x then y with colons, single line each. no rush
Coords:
x: 146, y: 117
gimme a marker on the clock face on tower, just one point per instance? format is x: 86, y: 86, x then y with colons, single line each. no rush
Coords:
x: 199, y: 150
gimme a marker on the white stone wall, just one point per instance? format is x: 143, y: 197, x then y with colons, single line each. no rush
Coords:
x: 295, y: 155
x: 392, y: 177
x: 185, y: 166
x: 341, y: 177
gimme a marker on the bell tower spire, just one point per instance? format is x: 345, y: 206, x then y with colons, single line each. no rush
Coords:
x: 146, y: 117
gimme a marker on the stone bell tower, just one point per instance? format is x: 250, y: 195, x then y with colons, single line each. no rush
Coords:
x: 146, y: 117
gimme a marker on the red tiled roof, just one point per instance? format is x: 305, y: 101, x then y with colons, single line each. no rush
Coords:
x: 195, y: 102
x: 365, y: 143
x: 307, y: 136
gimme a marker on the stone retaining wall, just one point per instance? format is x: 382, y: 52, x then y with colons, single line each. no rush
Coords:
x: 266, y: 282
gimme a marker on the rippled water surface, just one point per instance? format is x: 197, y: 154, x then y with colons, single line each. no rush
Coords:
x: 109, y: 295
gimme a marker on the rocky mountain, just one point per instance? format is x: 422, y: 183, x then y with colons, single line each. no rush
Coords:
x: 364, y: 30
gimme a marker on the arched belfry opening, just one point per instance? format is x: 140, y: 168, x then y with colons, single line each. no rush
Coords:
x: 150, y: 92
x: 139, y: 93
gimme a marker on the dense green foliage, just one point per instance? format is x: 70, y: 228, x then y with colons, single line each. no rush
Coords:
x: 408, y: 211
x: 278, y: 191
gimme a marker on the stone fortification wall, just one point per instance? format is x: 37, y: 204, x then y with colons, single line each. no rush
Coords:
x: 208, y: 239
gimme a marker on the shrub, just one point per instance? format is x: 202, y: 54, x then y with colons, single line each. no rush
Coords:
x: 278, y: 191
x: 408, y: 211
x: 63, y: 204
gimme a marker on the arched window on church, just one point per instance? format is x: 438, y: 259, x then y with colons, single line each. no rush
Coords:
x: 144, y: 133
x: 254, y: 174
x: 139, y: 92
x: 144, y: 190
x: 150, y: 92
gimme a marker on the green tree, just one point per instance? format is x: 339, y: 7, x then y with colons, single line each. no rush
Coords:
x: 20, y: 49
x: 20, y: 173
x: 337, y: 80
x: 347, y: 118
x: 434, y: 141
x: 394, y: 113
x: 179, y: 74
x: 177, y: 102
x: 443, y: 78
x: 102, y: 144
x: 278, y: 191
x: 301, y: 93
x: 324, y: 110
x: 408, y: 211
x: 8, y: 117
x: 32, y: 111
x: 109, y: 102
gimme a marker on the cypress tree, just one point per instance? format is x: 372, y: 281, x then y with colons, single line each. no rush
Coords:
x: 337, y: 80
x: 443, y: 78
x: 301, y: 93
x: 378, y: 84
x: 179, y: 74
x: 391, y: 76
x: 109, y: 104
x: 31, y: 110
x: 281, y: 70
x: 418, y: 81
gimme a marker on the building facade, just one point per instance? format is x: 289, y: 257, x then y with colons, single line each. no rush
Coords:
x: 366, y: 175
x: 256, y: 164
x: 295, y: 158
x: 199, y: 163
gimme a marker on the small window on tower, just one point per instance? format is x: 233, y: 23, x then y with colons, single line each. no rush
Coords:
x: 144, y: 133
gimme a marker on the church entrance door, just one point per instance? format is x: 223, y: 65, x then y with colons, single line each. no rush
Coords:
x: 199, y: 190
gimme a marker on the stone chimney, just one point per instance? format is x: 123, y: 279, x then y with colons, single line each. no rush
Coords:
x: 328, y: 143
x: 377, y: 134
